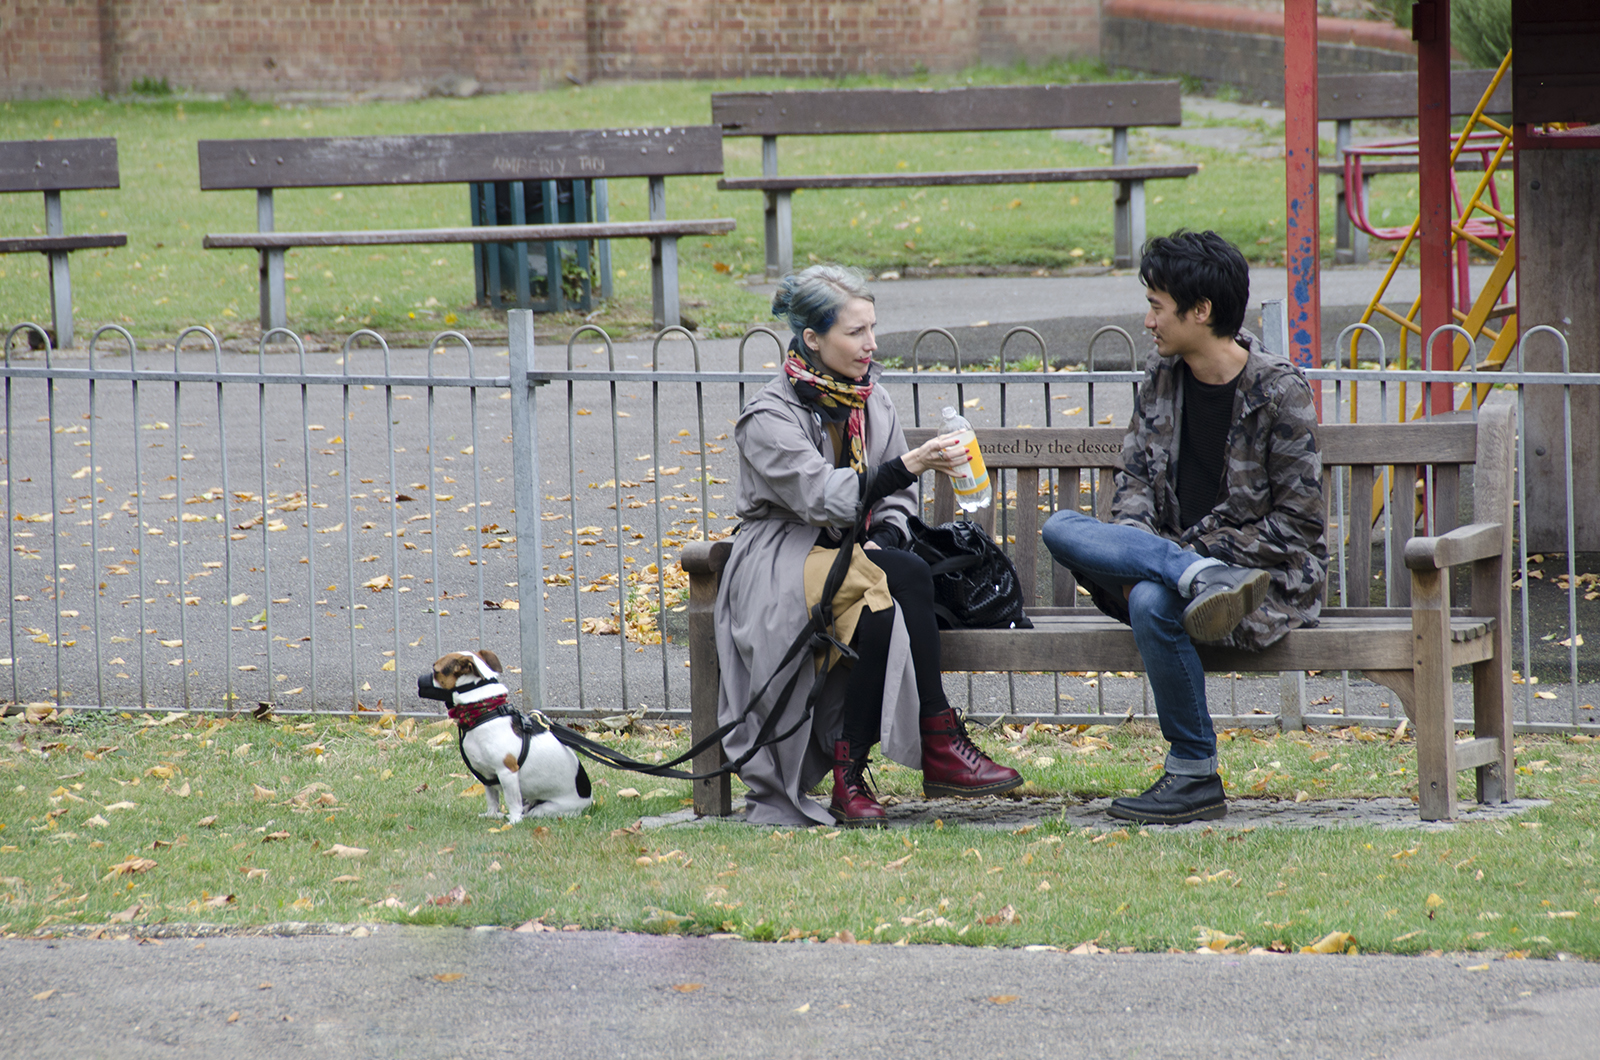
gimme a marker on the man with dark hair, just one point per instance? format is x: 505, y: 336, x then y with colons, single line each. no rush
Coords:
x: 1217, y: 524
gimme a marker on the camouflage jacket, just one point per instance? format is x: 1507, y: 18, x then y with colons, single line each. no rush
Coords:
x: 1270, y: 514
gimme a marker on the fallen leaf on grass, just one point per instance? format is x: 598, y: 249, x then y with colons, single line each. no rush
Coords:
x: 1214, y: 941
x: 897, y: 864
x: 213, y: 901
x: 130, y: 867
x: 454, y: 896
x: 1332, y: 942
x: 533, y: 927
x: 263, y: 794
x: 339, y: 850
x: 253, y: 874
x: 127, y: 915
x: 123, y: 806
x: 271, y: 836
x: 1006, y: 915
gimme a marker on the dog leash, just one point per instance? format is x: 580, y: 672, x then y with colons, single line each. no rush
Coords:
x: 818, y: 634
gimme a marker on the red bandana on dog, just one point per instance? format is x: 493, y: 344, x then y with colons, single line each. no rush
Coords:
x: 836, y: 399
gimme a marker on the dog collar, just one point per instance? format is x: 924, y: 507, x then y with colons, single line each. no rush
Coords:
x: 470, y: 715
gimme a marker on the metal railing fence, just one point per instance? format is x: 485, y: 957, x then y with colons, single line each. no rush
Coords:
x: 313, y: 527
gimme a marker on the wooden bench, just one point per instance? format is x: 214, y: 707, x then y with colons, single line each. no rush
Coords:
x: 1348, y: 98
x: 1410, y: 650
x: 466, y: 158
x: 1117, y: 106
x: 55, y: 166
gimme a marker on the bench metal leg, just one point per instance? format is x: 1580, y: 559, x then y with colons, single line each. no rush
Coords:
x: 780, y: 234
x: 664, y: 282
x: 274, y: 303
x: 61, y: 297
x: 1351, y: 246
x: 1128, y: 223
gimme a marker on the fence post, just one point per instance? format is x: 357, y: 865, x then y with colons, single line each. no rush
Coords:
x: 525, y: 474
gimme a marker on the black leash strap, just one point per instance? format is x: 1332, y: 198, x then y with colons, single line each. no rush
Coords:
x: 817, y: 635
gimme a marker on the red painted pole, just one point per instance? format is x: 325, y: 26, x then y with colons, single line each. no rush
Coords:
x: 1430, y: 27
x: 1302, y: 194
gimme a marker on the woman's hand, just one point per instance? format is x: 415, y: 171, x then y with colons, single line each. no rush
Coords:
x: 940, y: 453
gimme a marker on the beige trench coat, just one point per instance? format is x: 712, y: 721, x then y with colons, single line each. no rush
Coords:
x: 788, y: 489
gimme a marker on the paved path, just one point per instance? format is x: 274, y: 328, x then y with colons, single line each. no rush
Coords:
x: 445, y: 993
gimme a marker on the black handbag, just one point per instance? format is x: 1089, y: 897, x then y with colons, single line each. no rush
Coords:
x: 975, y: 585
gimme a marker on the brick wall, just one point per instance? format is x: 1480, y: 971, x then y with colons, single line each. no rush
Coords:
x: 81, y: 47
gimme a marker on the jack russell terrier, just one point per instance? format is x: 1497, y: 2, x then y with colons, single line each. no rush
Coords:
x: 504, y: 748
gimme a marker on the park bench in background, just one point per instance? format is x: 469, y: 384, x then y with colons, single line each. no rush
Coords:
x: 466, y: 158
x: 1117, y: 106
x: 55, y: 166
x: 1410, y: 650
x: 1348, y: 98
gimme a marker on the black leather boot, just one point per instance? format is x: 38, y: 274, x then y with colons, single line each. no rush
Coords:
x: 1175, y: 799
x: 1220, y: 598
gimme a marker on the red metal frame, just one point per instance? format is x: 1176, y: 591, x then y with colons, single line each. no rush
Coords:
x: 1302, y: 192
x: 1431, y: 31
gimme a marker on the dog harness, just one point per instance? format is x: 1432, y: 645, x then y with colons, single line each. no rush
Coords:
x: 469, y: 716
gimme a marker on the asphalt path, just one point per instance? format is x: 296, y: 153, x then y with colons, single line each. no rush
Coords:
x: 446, y: 993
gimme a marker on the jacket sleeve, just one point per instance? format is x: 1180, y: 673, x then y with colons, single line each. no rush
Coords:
x: 888, y: 442
x: 790, y: 478
x: 1292, y: 522
x: 1133, y: 503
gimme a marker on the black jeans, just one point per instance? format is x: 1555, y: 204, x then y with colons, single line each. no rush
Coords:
x: 911, y: 585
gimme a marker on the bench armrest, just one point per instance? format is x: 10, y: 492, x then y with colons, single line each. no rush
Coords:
x: 705, y: 557
x: 1463, y: 545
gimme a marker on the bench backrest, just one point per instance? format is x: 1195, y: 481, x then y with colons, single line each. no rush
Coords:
x: 1345, y: 97
x: 58, y: 165
x: 1366, y: 449
x: 1117, y: 104
x: 460, y: 158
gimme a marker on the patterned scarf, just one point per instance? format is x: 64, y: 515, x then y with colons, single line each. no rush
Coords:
x: 837, y: 400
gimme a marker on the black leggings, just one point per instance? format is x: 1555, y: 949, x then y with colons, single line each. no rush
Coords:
x: 911, y: 585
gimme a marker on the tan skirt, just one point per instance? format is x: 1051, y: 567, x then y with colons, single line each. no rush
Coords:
x: 865, y: 585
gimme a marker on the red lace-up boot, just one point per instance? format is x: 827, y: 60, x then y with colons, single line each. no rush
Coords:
x: 953, y: 765
x: 854, y: 805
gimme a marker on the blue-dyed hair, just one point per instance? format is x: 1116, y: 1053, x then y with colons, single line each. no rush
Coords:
x: 1196, y: 266
x: 813, y: 297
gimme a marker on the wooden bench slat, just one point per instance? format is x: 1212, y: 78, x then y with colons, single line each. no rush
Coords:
x: 459, y: 158
x: 1393, y: 94
x: 46, y: 244
x: 1092, y: 641
x: 974, y: 109
x: 479, y: 234
x: 1342, y: 443
x: 954, y: 179
x: 59, y: 165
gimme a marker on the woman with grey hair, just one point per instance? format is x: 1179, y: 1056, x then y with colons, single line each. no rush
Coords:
x: 818, y: 441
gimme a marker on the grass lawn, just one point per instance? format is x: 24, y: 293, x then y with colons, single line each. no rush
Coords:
x: 198, y: 819
x: 163, y: 281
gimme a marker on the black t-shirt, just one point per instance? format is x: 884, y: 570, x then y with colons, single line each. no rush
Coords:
x: 1202, y: 445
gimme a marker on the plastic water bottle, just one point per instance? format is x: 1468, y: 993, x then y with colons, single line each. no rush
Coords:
x: 971, y: 481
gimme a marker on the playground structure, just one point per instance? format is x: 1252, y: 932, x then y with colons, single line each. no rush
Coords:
x: 1547, y: 244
